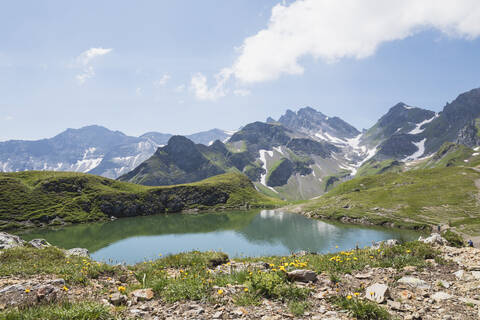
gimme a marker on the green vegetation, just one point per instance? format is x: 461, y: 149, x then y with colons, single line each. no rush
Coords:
x: 361, y: 309
x: 449, y: 154
x: 331, y: 181
x: 193, y: 276
x: 411, y: 199
x: 454, y: 239
x: 65, y: 311
x: 25, y: 261
x: 372, y: 167
x: 38, y: 198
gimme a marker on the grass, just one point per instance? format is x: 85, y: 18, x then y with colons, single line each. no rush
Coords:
x: 65, y: 311
x: 361, y: 309
x: 25, y: 261
x: 40, y: 197
x: 454, y: 239
x: 411, y: 199
x: 189, y: 276
x: 372, y: 167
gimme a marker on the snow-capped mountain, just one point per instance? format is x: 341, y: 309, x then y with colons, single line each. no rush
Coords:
x: 92, y: 149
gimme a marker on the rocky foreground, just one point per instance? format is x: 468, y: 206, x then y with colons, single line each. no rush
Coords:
x: 425, y: 279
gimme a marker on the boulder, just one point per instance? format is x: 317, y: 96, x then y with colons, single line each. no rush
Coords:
x: 414, y: 282
x: 440, y: 296
x: 39, y: 243
x: 385, y: 243
x: 31, y: 293
x: 302, y: 275
x: 81, y: 252
x: 143, y: 294
x: 117, y: 299
x: 434, y: 238
x: 377, y: 292
x: 8, y: 241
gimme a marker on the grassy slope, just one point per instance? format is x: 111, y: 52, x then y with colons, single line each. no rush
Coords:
x: 409, y: 199
x: 76, y: 197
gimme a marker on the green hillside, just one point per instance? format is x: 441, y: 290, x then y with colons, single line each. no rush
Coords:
x: 413, y: 199
x: 35, y: 198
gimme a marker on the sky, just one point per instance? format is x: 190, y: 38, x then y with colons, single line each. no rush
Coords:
x: 185, y: 66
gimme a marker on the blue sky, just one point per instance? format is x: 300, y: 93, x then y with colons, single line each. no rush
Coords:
x: 151, y: 65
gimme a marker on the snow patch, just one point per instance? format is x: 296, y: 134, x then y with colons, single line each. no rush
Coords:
x: 420, y: 151
x: 263, y: 177
x: 475, y: 154
x: 279, y: 150
x: 407, y: 107
x: 417, y: 129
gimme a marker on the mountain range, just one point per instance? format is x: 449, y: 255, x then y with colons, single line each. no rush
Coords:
x: 301, y: 155
x: 91, y: 149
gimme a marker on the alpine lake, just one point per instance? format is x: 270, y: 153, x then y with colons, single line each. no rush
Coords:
x: 237, y: 233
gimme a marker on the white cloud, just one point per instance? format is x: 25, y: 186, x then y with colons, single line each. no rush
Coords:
x: 241, y: 92
x: 332, y: 30
x: 162, y: 81
x: 199, y: 85
x: 8, y: 118
x: 139, y: 91
x: 84, y: 60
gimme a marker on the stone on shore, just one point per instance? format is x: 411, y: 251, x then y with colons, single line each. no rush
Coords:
x: 302, y: 275
x: 8, y: 241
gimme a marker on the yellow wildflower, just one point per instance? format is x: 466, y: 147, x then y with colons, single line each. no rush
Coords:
x: 121, y: 289
x: 220, y: 291
x: 27, y: 290
x: 349, y: 297
x: 246, y: 289
x: 65, y: 288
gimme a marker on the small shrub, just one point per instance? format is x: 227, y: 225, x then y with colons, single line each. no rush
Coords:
x: 454, y: 239
x: 246, y: 299
x: 298, y: 308
x: 66, y: 311
x: 361, y: 310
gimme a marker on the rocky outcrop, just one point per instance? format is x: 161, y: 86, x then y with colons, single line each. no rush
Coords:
x: 8, y: 241
x: 469, y: 135
x: 81, y: 252
x: 31, y: 293
x: 39, y: 243
x: 280, y: 173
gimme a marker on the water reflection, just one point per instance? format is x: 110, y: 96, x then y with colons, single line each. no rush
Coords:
x: 249, y: 233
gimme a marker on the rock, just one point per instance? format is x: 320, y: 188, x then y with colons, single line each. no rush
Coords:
x: 31, y: 293
x: 414, y: 282
x: 143, y: 294
x: 385, y: 243
x: 39, y: 243
x: 8, y: 241
x: 443, y: 284
x: 81, y: 252
x: 377, y: 292
x: 460, y: 274
x: 476, y: 275
x: 218, y: 315
x: 302, y: 275
x: 117, y: 299
x: 394, y: 305
x: 434, y: 238
x: 440, y: 296
x: 470, y: 301
x: 405, y: 295
x: 364, y: 275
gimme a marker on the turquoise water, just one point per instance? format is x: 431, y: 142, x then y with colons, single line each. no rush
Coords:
x: 239, y: 233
